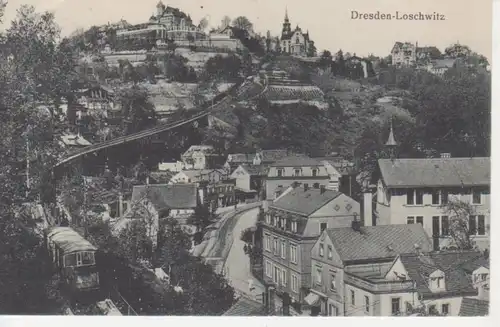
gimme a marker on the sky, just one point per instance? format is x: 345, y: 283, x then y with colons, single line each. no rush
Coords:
x: 330, y: 23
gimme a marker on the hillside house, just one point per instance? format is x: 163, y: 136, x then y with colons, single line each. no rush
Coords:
x: 249, y: 181
x: 295, y: 169
x: 418, y: 191
x: 152, y: 203
x: 200, y: 157
x: 340, y: 252
x: 263, y: 157
x: 291, y: 227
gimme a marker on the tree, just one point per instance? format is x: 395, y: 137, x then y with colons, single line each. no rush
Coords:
x: 34, y: 70
x: 202, y: 217
x: 225, y: 22
x: 243, y: 23
x: 203, y: 24
x: 325, y: 59
x: 137, y: 111
x: 459, y: 213
x: 223, y: 67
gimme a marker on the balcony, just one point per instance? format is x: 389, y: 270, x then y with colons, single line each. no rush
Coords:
x: 380, y: 285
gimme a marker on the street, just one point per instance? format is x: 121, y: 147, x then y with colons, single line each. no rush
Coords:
x: 237, y: 265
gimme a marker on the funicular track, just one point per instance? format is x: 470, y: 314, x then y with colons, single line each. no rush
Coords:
x: 236, y: 92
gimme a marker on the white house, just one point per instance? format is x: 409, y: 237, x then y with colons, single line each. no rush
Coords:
x: 417, y: 191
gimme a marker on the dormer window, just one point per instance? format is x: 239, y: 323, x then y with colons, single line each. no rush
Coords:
x: 314, y: 172
x: 437, y: 281
x: 297, y: 172
x: 279, y: 172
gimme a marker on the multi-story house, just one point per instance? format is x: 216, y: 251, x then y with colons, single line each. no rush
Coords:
x: 291, y: 227
x: 427, y: 192
x: 198, y: 176
x: 217, y: 194
x: 200, y: 157
x: 339, y: 251
x: 249, y: 181
x: 404, y: 54
x: 263, y: 157
x: 414, y: 284
x: 285, y: 172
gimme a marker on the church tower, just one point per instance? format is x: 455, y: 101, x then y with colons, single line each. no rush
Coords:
x: 287, y: 29
x: 391, y: 143
x: 160, y: 8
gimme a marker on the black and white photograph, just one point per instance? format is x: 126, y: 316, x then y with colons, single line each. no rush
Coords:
x: 245, y: 158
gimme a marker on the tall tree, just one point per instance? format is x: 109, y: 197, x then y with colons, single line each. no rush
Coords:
x: 243, y: 23
x: 225, y: 22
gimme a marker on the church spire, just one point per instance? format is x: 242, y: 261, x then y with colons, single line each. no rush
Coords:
x: 286, y: 14
x: 391, y: 141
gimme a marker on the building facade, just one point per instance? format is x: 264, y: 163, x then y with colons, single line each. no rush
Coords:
x: 427, y: 192
x: 295, y: 42
x: 291, y: 227
x: 285, y: 172
x: 415, y: 284
x: 341, y: 251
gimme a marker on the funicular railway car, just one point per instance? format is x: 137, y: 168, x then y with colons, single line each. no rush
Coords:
x: 74, y: 258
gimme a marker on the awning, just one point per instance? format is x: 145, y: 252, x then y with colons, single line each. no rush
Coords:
x: 312, y: 299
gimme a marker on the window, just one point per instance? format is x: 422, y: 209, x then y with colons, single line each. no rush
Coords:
x: 321, y: 249
x: 444, y: 197
x: 333, y: 310
x: 435, y: 197
x: 268, y: 219
x: 283, y: 277
x: 420, y: 220
x: 268, y: 242
x: 295, y: 283
x: 353, y: 298
x: 483, y: 277
x: 322, y: 227
x: 330, y: 252
x: 296, y: 172
x: 472, y: 225
x: 445, y: 226
x: 419, y: 197
x: 316, y: 185
x: 439, y: 282
x: 315, y: 173
x: 395, y: 305
x: 269, y: 270
x: 432, y: 309
x: 294, y: 226
x: 333, y: 282
x: 318, y: 276
x: 277, y: 274
x: 410, y: 197
x: 445, y: 308
x: 410, y: 220
x: 476, y: 196
x: 481, y: 229
x: 276, y: 249
x: 279, y: 172
x: 367, y: 304
x: 283, y: 249
x: 293, y: 253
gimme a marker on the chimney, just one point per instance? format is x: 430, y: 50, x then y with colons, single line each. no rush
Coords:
x: 356, y: 225
x: 322, y: 189
x: 368, y: 206
x: 445, y: 155
x: 417, y: 249
x: 306, y: 187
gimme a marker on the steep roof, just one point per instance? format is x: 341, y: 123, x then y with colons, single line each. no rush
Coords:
x: 246, y: 307
x: 268, y: 156
x: 297, y: 161
x: 438, y: 172
x: 419, y: 267
x: 255, y: 170
x: 305, y: 202
x: 473, y: 307
x: 166, y: 196
x: 377, y: 242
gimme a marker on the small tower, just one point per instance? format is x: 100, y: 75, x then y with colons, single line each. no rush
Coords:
x: 287, y: 30
x: 391, y: 143
x: 160, y: 7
